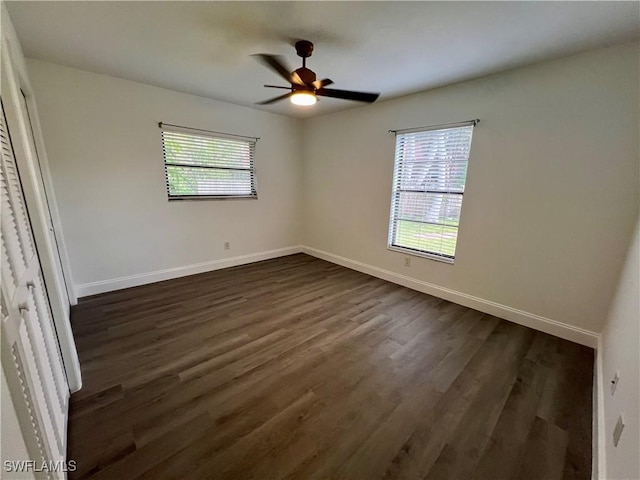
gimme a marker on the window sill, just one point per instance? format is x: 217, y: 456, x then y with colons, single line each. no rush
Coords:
x: 415, y: 253
x: 213, y: 197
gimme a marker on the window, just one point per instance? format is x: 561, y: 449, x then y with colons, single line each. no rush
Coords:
x: 428, y: 187
x: 201, y: 164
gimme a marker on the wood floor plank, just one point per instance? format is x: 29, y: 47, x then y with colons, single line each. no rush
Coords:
x: 544, y: 452
x: 467, y: 443
x: 500, y: 459
x: 378, y: 450
x: 146, y: 457
x: 298, y: 368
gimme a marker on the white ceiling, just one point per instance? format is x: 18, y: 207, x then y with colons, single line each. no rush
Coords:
x: 395, y: 48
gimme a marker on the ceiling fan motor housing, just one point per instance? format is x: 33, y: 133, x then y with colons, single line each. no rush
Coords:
x: 304, y: 49
x: 306, y: 75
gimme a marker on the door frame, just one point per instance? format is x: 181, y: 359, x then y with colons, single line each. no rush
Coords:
x: 32, y: 163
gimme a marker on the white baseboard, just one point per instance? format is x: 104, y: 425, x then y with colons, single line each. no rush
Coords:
x: 537, y: 322
x: 103, y: 286
x: 600, y: 441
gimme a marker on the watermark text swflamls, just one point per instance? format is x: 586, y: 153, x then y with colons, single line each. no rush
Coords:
x: 21, y: 466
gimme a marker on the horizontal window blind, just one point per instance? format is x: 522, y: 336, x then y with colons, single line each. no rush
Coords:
x: 199, y: 165
x: 428, y: 187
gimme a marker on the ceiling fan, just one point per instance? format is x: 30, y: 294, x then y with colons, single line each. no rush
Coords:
x: 305, y: 89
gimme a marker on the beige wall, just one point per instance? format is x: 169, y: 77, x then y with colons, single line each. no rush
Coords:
x: 621, y: 353
x: 106, y: 161
x: 552, y: 190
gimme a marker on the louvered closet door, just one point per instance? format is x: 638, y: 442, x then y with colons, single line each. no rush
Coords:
x: 30, y: 352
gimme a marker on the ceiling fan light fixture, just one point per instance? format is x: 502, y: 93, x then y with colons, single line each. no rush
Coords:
x: 304, y: 99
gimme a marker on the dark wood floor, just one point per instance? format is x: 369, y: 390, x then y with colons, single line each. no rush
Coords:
x: 298, y: 368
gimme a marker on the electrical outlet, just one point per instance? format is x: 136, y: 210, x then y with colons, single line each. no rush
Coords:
x: 407, y: 262
x: 227, y: 246
x: 614, y: 382
x: 617, y: 431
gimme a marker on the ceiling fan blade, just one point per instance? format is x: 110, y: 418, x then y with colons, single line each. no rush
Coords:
x: 322, y: 83
x: 278, y: 86
x: 275, y: 63
x: 348, y: 95
x: 275, y: 99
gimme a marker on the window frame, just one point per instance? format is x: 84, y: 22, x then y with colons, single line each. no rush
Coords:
x: 395, y: 190
x: 196, y: 132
